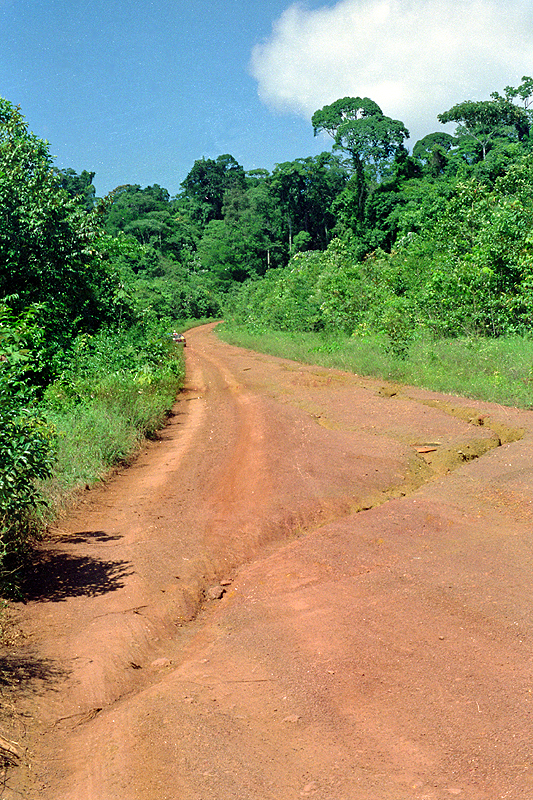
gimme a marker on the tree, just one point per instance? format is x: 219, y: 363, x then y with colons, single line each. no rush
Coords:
x: 244, y: 243
x: 207, y: 182
x: 348, y: 109
x: 481, y: 121
x: 524, y: 92
x: 130, y: 203
x: 485, y: 121
x: 433, y: 151
x: 359, y: 127
x: 77, y: 186
x: 255, y: 177
x: 305, y: 190
x: 49, y: 251
x: 150, y: 216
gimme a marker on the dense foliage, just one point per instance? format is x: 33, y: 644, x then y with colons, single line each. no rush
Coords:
x: 439, y: 241
x: 468, y: 271
x: 48, y: 242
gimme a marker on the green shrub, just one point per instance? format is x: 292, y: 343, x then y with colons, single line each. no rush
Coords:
x: 399, y: 325
x: 26, y: 441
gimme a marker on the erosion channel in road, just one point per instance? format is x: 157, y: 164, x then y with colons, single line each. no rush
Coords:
x: 312, y: 585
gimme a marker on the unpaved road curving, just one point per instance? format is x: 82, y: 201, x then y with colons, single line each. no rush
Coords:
x: 375, y: 549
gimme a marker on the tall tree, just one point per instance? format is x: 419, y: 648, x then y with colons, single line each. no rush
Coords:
x: 359, y: 127
x: 485, y: 121
x: 348, y: 109
x: 207, y: 182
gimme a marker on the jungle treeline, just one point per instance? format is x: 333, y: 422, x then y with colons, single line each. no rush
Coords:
x: 365, y: 236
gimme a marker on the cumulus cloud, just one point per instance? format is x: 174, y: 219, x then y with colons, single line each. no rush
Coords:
x: 416, y: 58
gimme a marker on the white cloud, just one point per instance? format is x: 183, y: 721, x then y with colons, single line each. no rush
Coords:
x: 416, y: 58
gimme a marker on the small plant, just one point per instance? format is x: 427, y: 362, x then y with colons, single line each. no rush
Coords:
x: 398, y: 324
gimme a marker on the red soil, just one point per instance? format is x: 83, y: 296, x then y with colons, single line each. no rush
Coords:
x: 374, y: 547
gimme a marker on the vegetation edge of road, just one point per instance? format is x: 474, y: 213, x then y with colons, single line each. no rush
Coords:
x: 493, y: 370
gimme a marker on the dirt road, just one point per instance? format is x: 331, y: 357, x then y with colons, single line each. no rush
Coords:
x: 313, y: 586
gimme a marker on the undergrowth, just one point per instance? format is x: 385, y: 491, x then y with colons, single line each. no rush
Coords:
x: 116, y: 391
x: 110, y: 391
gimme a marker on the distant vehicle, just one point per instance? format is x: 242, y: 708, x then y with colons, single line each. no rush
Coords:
x: 179, y: 338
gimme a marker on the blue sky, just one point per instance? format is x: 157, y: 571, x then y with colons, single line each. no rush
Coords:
x: 136, y: 91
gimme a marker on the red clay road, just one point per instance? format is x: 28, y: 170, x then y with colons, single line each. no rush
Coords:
x: 315, y: 585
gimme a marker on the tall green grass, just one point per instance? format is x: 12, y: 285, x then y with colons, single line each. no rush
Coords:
x: 496, y: 370
x: 116, y: 391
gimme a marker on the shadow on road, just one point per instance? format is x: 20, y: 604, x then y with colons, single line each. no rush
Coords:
x: 56, y: 575
x: 86, y: 536
x: 21, y: 671
x: 20, y: 675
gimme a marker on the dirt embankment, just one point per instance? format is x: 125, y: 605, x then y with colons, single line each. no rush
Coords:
x: 313, y: 585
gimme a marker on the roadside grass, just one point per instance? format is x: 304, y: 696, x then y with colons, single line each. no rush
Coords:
x: 102, y: 409
x: 116, y: 391
x: 495, y: 370
x: 112, y: 390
